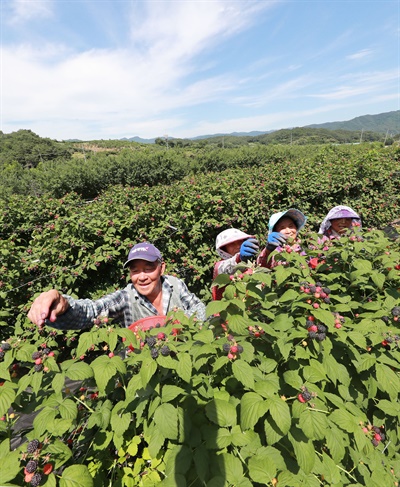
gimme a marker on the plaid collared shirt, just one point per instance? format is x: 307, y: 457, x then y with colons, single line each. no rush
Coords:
x: 127, y: 306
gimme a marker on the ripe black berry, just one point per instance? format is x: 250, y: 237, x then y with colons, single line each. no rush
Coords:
x: 375, y: 442
x: 154, y: 352
x: 396, y: 311
x: 31, y: 466
x: 226, y: 347
x: 321, y: 336
x: 32, y: 446
x: 321, y: 328
x: 240, y: 349
x: 327, y: 300
x: 312, y: 334
x: 36, y: 479
x: 313, y: 289
x: 36, y: 355
x: 309, y: 323
x: 5, y: 346
x: 2, y: 355
x: 38, y: 367
x: 326, y: 290
x: 165, y: 351
x: 307, y: 396
x: 46, y: 351
x: 151, y: 341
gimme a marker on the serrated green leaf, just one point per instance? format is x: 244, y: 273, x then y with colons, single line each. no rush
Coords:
x: 280, y: 413
x: 221, y: 412
x: 303, y: 449
x: 262, y: 469
x: 238, y: 324
x: 10, y: 467
x: 44, y: 421
x: 7, y: 397
x: 79, y: 371
x: 330, y: 470
x: 166, y: 419
x: 335, y: 443
x: 120, y: 423
x: 243, y: 372
x: 252, y: 408
x: 344, y: 420
x: 170, y: 392
x: 389, y: 407
x: 388, y: 381
x: 68, y: 409
x: 104, y: 369
x: 216, y: 307
x: 313, y: 424
x: 76, y: 476
x: 184, y: 368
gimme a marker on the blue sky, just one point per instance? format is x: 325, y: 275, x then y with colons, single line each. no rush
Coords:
x: 105, y: 69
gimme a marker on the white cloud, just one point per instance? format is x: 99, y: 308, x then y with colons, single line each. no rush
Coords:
x: 25, y: 10
x: 360, y: 54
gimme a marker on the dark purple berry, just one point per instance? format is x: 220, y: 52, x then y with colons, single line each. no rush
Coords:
x: 309, y: 323
x: 321, y: 328
x: 312, y: 334
x: 321, y: 336
x: 327, y: 300
x: 151, y: 341
x: 376, y: 429
x: 306, y: 395
x: 31, y: 466
x: 313, y: 289
x: 46, y: 351
x: 396, y: 311
x: 38, y: 367
x: 385, y: 319
x: 383, y: 436
x: 154, y: 352
x: 158, y: 325
x: 375, y: 442
x: 5, y: 346
x: 240, y: 349
x: 2, y: 355
x: 32, y: 446
x: 326, y: 290
x: 36, y: 355
x: 318, y: 284
x: 36, y: 479
x: 165, y: 351
x: 226, y: 347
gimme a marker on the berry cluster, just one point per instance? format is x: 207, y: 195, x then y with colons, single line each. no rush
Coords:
x: 316, y: 291
x: 256, y: 331
x: 4, y: 347
x: 396, y: 313
x: 376, y: 433
x: 40, y: 356
x: 390, y: 340
x: 32, y: 472
x: 157, y: 345
x: 316, y: 331
x: 339, y: 320
x: 305, y: 395
x: 232, y: 348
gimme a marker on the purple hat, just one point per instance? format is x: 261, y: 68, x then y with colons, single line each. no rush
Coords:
x: 144, y: 251
x: 344, y: 214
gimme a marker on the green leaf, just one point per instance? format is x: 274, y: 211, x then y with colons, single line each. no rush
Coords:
x: 280, y: 413
x: 389, y: 407
x: 243, y: 372
x: 221, y: 412
x: 44, y: 421
x: 170, y: 392
x: 104, y: 369
x: 238, y: 324
x: 303, y: 449
x: 7, y: 396
x: 232, y: 467
x: 166, y: 419
x: 120, y: 423
x: 388, y: 381
x: 252, y: 408
x: 76, y: 476
x: 262, y: 469
x: 330, y: 470
x: 216, y: 307
x: 156, y: 442
x: 314, y: 424
x: 184, y: 368
x: 289, y: 295
x: 68, y: 409
x: 10, y: 467
x: 79, y: 371
x: 344, y: 420
x: 335, y: 443
x: 378, y: 279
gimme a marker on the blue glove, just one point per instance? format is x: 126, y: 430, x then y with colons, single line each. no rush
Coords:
x: 248, y: 249
x: 275, y: 239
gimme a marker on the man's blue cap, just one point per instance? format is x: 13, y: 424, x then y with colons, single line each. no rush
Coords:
x: 144, y: 251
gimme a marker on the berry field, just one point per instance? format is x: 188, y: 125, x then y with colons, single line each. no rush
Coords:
x: 293, y: 380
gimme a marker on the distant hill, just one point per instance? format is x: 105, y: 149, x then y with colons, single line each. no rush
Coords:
x: 380, y: 123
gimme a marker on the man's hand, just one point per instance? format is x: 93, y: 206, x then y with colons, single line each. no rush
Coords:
x: 47, y: 306
x: 275, y: 239
x: 248, y: 249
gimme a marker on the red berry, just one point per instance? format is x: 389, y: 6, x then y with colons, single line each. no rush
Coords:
x: 47, y: 468
x: 316, y: 305
x: 38, y: 361
x: 234, y: 348
x: 301, y: 398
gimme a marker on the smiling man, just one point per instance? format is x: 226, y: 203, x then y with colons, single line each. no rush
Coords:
x: 150, y: 293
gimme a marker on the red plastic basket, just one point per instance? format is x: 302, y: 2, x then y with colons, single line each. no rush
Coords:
x: 145, y: 324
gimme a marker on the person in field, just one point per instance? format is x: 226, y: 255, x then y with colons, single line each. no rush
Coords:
x: 338, y: 221
x: 234, y: 246
x: 283, y: 231
x: 150, y: 293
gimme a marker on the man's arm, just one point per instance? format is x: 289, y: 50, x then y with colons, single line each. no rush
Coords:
x: 76, y: 314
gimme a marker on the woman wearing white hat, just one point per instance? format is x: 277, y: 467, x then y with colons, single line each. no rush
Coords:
x: 339, y: 219
x: 234, y: 246
x: 283, y: 229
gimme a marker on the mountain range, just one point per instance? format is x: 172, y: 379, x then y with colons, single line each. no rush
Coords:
x: 387, y: 123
